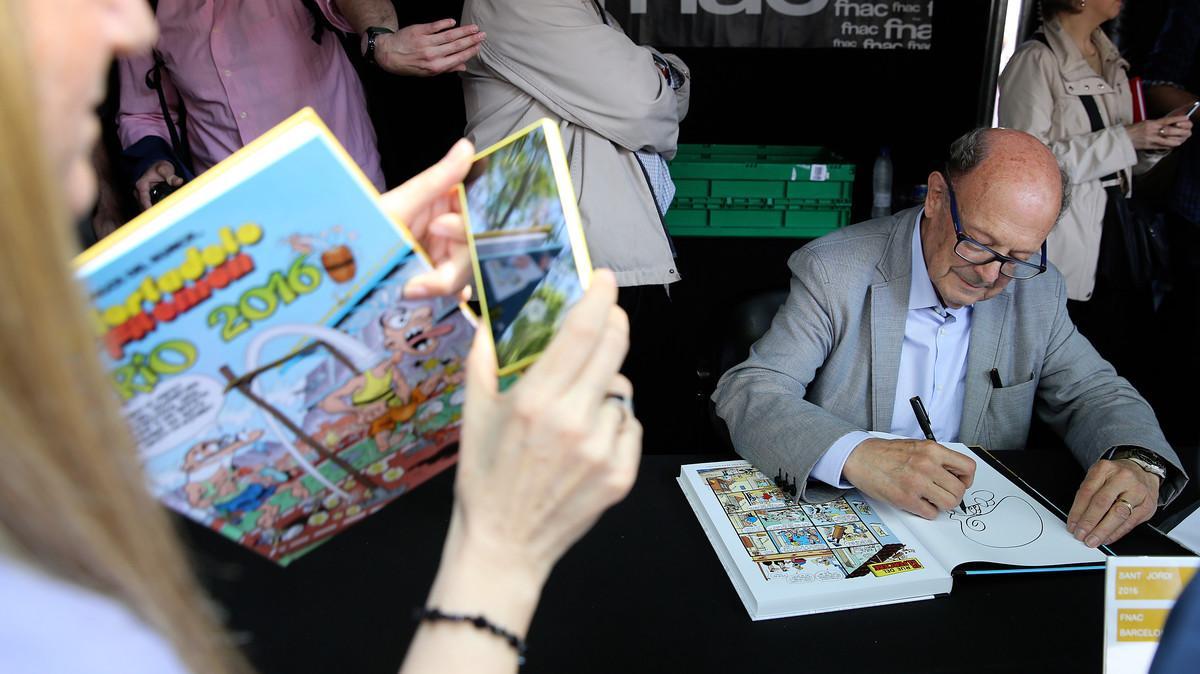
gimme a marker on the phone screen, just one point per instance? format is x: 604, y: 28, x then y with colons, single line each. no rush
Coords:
x: 526, y: 239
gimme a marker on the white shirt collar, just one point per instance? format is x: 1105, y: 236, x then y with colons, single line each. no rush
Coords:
x: 921, y: 294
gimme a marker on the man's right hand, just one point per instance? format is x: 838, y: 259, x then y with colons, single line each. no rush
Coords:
x: 428, y: 49
x: 162, y: 172
x: 919, y: 476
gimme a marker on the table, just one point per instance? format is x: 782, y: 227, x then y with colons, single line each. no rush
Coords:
x: 644, y: 592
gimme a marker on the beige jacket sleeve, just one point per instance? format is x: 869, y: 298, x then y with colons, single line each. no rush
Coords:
x: 561, y: 54
x: 1027, y: 103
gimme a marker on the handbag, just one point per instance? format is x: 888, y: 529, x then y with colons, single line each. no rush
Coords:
x: 1133, y: 248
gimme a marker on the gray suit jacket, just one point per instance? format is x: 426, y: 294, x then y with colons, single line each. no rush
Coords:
x: 830, y: 362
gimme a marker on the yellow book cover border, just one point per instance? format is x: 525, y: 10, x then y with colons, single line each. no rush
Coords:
x: 571, y: 216
x: 305, y: 116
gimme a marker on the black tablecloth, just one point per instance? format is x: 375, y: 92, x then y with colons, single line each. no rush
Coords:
x: 644, y: 592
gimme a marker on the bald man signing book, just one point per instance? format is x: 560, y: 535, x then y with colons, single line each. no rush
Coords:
x: 956, y: 302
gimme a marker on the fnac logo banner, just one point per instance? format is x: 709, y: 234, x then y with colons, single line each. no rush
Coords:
x: 850, y: 24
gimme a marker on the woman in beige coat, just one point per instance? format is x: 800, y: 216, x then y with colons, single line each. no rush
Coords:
x: 1041, y: 92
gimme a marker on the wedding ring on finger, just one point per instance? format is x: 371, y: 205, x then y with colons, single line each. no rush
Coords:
x: 1162, y: 131
x: 625, y: 402
x: 1127, y: 504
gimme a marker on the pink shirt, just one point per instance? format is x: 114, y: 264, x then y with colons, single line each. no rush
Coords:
x: 241, y: 67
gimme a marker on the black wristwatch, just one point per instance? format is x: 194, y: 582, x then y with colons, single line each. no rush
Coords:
x: 372, y: 33
x: 1143, y: 458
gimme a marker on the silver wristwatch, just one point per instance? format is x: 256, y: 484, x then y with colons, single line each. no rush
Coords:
x: 1144, y: 458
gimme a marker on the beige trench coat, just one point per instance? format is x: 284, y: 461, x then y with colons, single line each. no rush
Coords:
x: 558, y: 59
x: 1040, y: 91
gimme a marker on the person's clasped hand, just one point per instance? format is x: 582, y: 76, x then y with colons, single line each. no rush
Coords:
x: 920, y: 476
x: 428, y: 49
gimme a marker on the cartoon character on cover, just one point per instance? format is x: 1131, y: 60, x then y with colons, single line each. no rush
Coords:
x: 220, y: 477
x: 720, y: 484
x: 863, y: 507
x: 792, y: 538
x: 382, y: 397
x: 805, y: 538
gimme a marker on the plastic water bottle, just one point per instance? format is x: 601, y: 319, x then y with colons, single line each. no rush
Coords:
x: 881, y: 183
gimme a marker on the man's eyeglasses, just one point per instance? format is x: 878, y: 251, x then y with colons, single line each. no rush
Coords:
x: 978, y: 254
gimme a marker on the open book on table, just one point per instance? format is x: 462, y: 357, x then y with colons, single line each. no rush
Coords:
x: 790, y: 558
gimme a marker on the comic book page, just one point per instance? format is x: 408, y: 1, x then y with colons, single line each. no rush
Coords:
x: 278, y: 384
x: 789, y: 558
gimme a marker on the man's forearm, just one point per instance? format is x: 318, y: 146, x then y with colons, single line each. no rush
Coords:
x: 363, y: 14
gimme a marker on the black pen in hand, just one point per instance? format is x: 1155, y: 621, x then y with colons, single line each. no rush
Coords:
x: 927, y: 429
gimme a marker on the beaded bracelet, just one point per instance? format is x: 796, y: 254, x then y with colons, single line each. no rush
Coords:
x: 434, y: 614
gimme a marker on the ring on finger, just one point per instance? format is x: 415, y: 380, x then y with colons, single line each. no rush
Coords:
x: 626, y: 403
x: 1127, y: 504
x: 1162, y: 131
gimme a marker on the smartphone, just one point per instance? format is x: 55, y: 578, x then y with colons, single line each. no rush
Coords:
x: 1192, y: 110
x: 526, y: 241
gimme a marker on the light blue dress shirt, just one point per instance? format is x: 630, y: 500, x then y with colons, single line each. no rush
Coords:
x: 933, y: 365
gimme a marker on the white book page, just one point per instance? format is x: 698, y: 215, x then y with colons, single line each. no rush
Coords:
x: 1187, y: 532
x: 1002, y: 524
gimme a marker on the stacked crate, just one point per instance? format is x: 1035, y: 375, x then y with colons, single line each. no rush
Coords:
x: 758, y: 190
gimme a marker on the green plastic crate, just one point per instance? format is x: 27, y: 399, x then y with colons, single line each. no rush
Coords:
x: 776, y: 154
x: 758, y: 190
x: 781, y: 217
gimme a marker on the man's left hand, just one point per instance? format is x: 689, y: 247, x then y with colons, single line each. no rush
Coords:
x: 1115, y: 497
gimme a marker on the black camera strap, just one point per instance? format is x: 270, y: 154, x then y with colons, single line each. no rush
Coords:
x: 177, y: 131
x: 320, y: 23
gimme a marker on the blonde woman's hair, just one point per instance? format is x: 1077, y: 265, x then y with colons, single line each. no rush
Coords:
x: 72, y: 497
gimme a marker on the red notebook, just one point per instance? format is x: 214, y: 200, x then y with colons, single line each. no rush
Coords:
x: 1139, y: 99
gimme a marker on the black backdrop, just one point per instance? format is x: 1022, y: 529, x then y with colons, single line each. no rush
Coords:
x: 847, y: 99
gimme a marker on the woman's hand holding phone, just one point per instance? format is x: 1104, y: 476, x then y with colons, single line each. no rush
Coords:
x: 1185, y: 110
x: 1164, y: 133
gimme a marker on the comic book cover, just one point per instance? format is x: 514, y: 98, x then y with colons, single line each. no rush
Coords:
x: 277, y: 382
